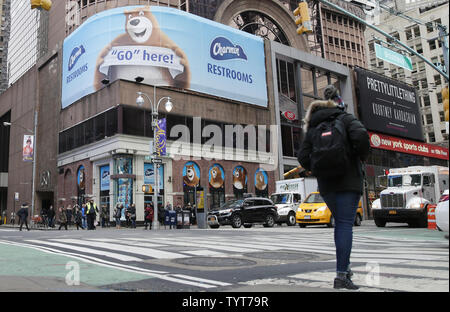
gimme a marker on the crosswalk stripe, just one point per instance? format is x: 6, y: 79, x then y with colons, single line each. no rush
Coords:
x: 149, y: 252
x: 199, y: 244
x: 87, y: 250
x: 206, y: 253
x: 111, y: 240
x: 384, y: 282
x: 406, y: 272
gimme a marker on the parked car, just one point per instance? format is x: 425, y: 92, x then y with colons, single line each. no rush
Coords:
x: 247, y: 212
x: 314, y: 210
x: 442, y: 212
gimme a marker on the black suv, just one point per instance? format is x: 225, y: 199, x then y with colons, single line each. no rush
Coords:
x: 243, y: 212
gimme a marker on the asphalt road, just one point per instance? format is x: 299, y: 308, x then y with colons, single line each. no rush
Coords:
x: 257, y: 260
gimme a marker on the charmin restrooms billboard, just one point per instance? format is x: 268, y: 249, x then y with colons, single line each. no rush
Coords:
x: 166, y: 47
x: 388, y: 106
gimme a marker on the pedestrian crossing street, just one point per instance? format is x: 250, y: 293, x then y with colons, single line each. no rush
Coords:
x: 379, y: 263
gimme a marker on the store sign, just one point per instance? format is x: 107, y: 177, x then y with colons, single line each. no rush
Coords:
x: 393, y: 57
x: 166, y: 47
x: 406, y: 146
x: 388, y: 106
x: 289, y: 115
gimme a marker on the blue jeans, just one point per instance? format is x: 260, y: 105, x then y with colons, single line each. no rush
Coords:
x: 343, y: 206
x: 83, y: 222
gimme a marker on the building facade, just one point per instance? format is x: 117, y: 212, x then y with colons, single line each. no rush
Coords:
x: 105, y: 131
x: 4, y: 39
x: 423, y: 39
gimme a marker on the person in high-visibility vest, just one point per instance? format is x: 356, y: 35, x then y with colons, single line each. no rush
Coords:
x: 91, y: 212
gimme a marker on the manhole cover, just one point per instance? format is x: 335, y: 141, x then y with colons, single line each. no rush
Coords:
x: 215, y: 262
x: 289, y: 255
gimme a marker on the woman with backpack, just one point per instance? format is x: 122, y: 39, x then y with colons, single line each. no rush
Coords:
x: 334, y: 147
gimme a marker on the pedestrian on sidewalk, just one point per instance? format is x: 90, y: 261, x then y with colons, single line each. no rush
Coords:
x: 132, y: 211
x: 51, y: 216
x: 92, y: 211
x: 118, y: 215
x: 78, y: 218
x: 341, y: 186
x: 69, y: 212
x: 13, y: 218
x: 23, y: 216
x: 83, y: 216
x: 62, y: 218
x: 148, y: 216
x: 104, y: 215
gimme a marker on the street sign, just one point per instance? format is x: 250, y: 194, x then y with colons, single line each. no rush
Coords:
x: 393, y: 57
x: 16, y: 196
x: 157, y: 160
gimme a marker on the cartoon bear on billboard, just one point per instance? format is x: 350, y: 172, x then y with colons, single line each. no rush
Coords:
x: 239, y: 177
x: 191, y: 179
x: 260, y: 181
x: 216, y: 180
x: 142, y: 29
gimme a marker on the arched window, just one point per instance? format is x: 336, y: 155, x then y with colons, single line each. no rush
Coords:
x: 191, y: 182
x: 239, y: 182
x: 217, y: 185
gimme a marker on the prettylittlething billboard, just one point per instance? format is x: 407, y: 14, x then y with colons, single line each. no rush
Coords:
x: 388, y: 106
x: 166, y: 47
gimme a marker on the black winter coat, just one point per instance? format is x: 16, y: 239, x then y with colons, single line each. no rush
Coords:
x: 359, y: 141
x: 22, y: 213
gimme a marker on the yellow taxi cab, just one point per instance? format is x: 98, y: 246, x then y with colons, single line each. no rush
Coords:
x: 314, y: 210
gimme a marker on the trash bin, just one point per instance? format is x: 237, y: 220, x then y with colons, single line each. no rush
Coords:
x: 183, y: 219
x: 172, y: 218
x: 186, y: 219
x: 166, y: 217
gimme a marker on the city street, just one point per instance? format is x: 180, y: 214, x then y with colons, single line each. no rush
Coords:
x: 278, y: 259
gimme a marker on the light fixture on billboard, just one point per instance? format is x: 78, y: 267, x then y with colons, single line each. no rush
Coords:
x: 139, y: 79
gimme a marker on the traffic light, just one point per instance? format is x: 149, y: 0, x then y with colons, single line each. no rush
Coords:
x: 444, y: 93
x: 147, y: 189
x: 303, y: 18
x: 41, y: 4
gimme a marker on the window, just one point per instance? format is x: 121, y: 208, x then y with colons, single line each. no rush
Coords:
x: 408, y: 34
x: 431, y: 137
x: 432, y: 44
x: 133, y: 121
x: 417, y: 32
x: 426, y: 100
x: 430, y: 27
x: 439, y: 97
x: 429, y: 119
x: 442, y: 116
x: 437, y: 80
x: 419, y: 48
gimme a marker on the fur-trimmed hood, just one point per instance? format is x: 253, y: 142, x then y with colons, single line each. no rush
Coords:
x: 317, y: 105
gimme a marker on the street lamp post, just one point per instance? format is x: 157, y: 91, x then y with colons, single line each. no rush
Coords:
x: 154, y: 105
x: 33, y: 187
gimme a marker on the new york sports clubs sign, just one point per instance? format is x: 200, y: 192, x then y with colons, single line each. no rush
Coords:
x: 388, y: 106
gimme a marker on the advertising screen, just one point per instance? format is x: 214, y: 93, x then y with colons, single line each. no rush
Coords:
x: 167, y: 47
x: 388, y: 106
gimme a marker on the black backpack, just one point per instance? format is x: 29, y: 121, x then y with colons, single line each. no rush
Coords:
x: 330, y: 155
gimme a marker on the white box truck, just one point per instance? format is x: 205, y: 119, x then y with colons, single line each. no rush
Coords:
x: 288, y: 196
x: 409, y: 192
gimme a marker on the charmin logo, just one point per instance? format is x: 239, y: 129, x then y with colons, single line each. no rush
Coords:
x: 75, y: 56
x: 223, y: 49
